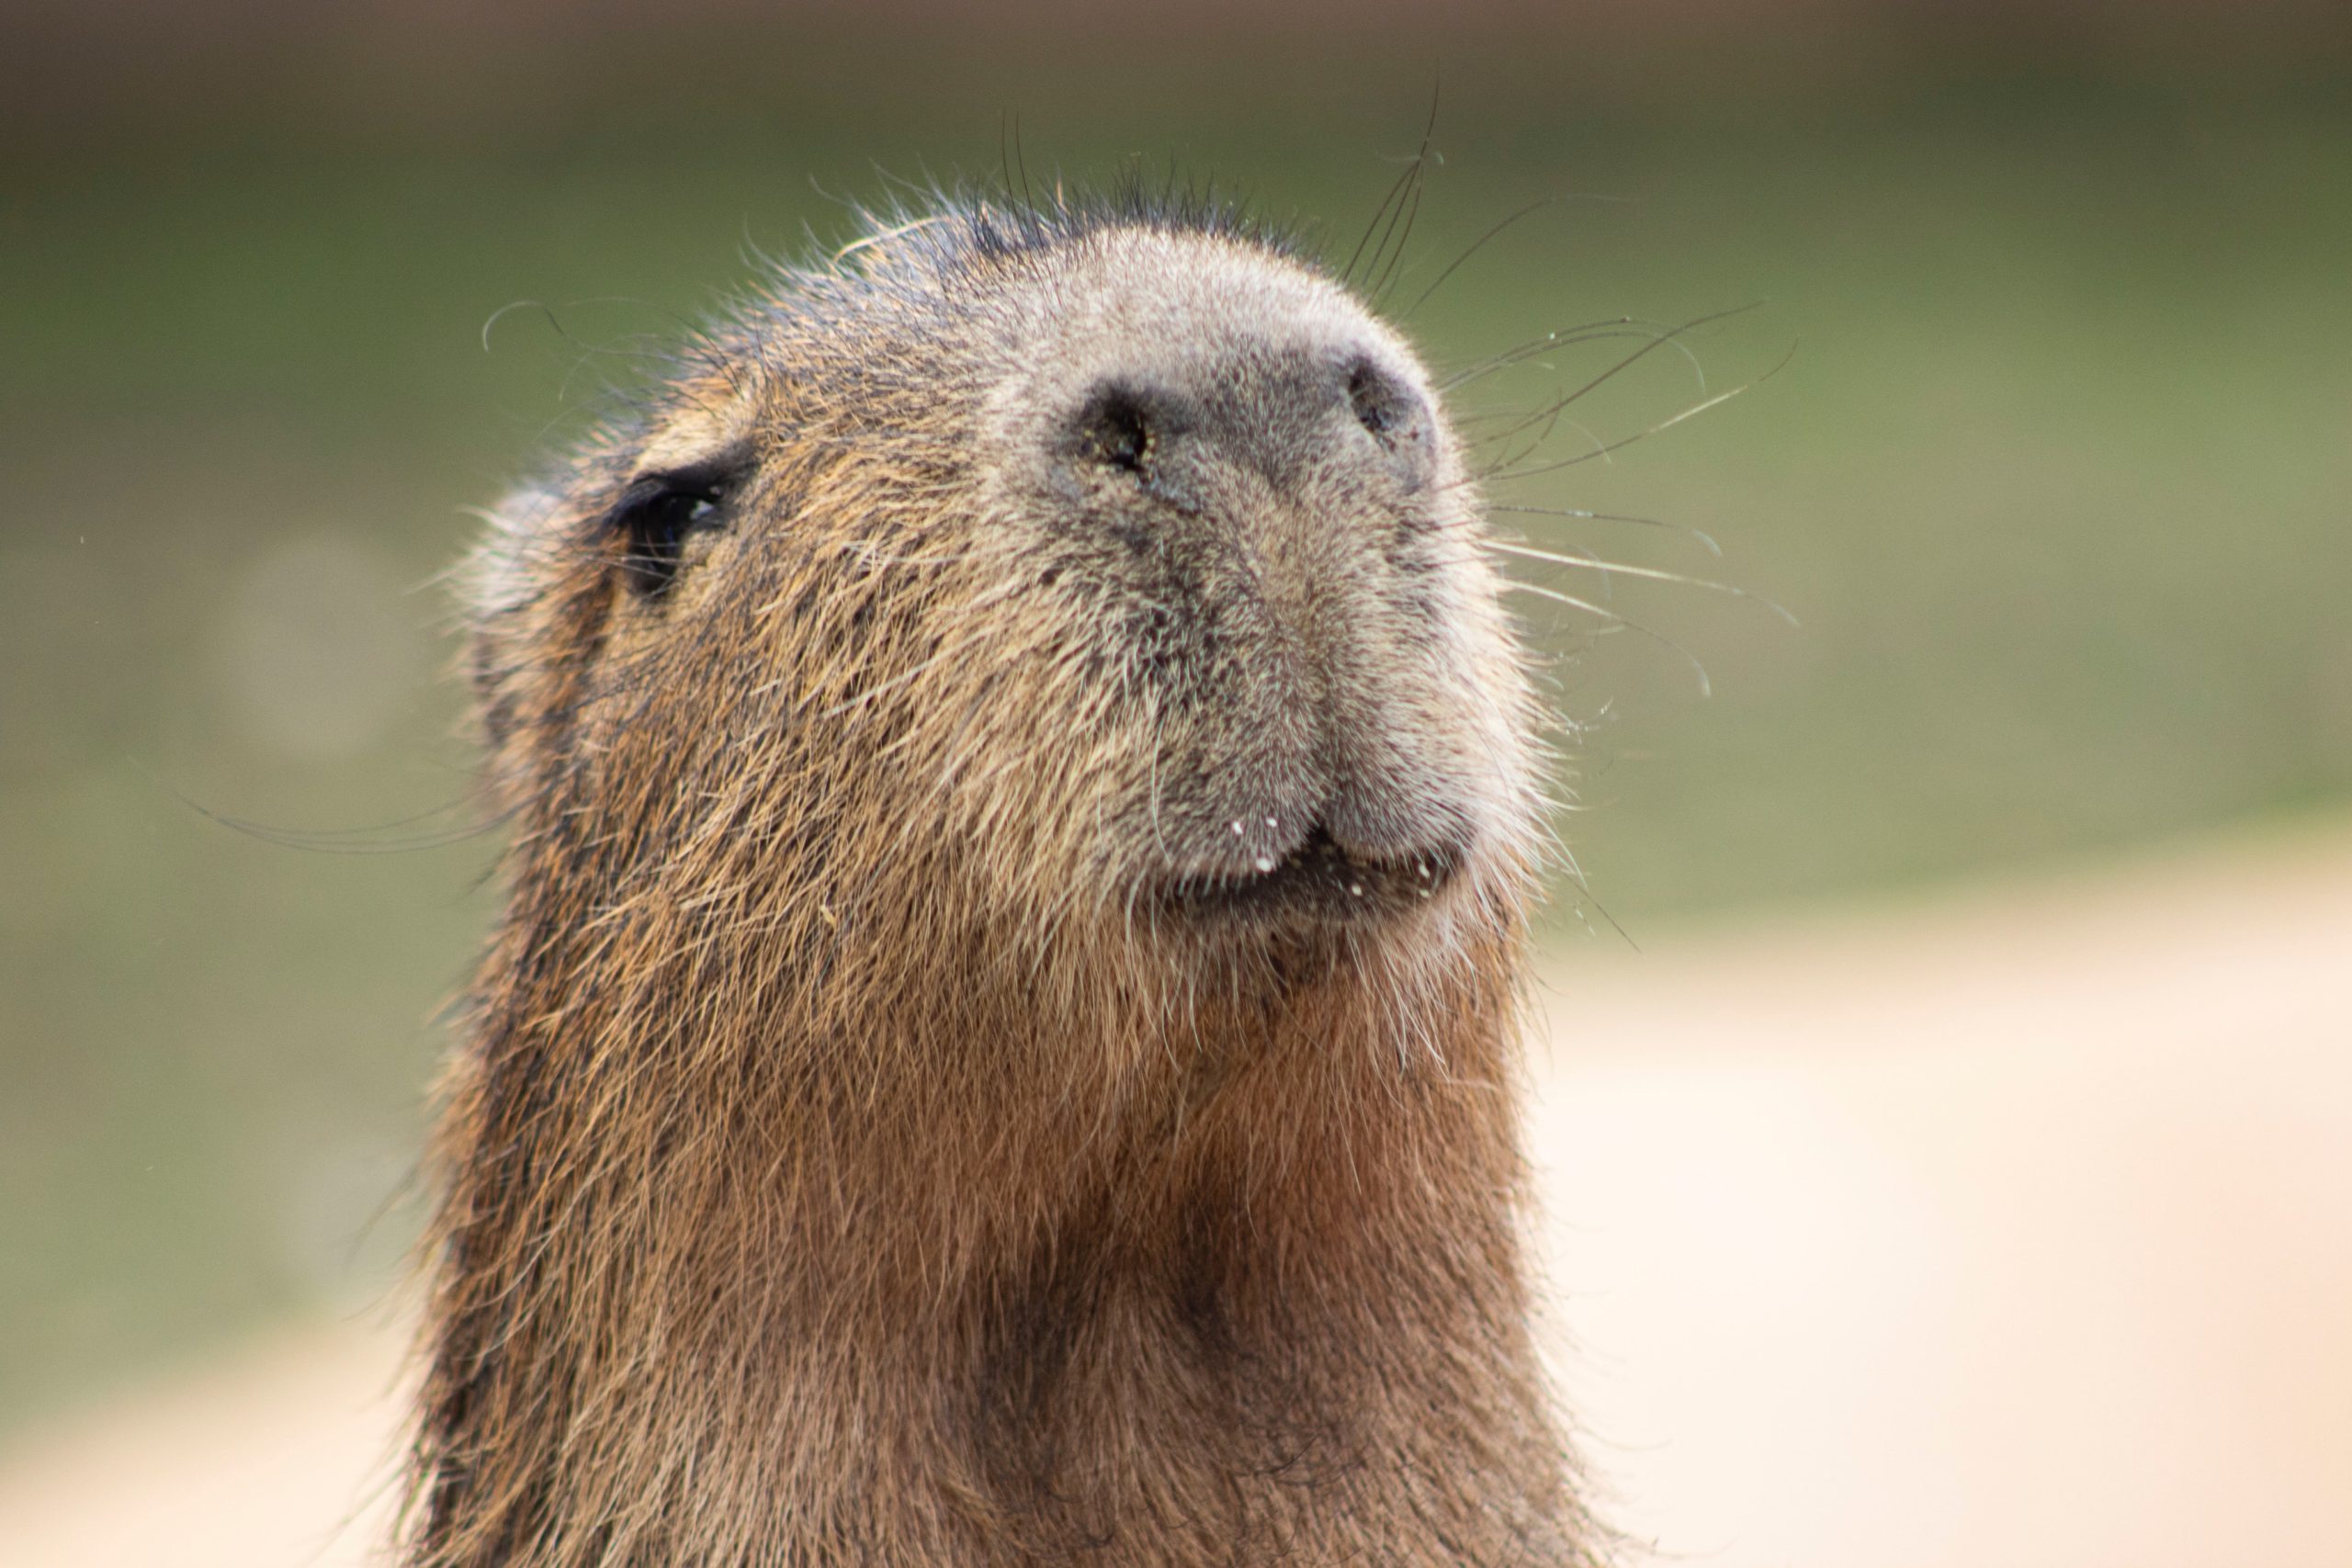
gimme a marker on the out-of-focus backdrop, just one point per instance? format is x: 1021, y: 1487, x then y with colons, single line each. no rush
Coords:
x: 1947, y: 1165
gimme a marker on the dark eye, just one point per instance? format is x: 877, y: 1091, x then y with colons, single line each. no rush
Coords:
x: 1117, y: 430
x: 656, y: 513
x: 1381, y: 406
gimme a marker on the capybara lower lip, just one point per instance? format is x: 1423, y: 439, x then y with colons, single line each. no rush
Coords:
x: 1319, y: 880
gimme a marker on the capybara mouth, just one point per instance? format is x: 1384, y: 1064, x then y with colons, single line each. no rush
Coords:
x: 1319, y: 881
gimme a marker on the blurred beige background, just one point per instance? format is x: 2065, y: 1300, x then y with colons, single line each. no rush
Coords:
x: 1945, y: 1110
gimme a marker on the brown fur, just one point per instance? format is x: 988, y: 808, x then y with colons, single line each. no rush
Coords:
x: 888, y: 1134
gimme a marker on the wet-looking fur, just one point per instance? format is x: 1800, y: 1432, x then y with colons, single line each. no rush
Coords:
x: 1001, y: 1048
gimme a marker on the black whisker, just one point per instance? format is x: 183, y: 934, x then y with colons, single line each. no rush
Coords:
x: 1624, y: 364
x: 1480, y: 243
x: 1604, y: 450
x: 1569, y: 337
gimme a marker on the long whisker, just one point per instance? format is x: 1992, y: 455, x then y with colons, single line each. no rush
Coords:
x: 1406, y: 198
x: 1586, y: 515
x: 1655, y: 574
x: 1706, y: 687
x: 357, y: 840
x: 1627, y: 363
x: 1564, y: 337
x: 1665, y: 424
x: 1412, y: 211
x: 1394, y: 199
x: 1475, y: 246
x: 1535, y: 444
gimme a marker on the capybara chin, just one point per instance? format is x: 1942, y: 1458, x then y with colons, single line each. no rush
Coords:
x: 1002, y: 1044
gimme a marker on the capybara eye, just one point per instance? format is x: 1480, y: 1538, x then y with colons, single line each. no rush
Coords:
x: 656, y: 513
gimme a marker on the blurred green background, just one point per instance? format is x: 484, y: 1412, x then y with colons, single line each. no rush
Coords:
x: 2055, y: 481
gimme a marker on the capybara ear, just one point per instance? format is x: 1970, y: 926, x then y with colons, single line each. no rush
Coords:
x: 496, y: 587
x: 536, y: 591
x: 534, y: 585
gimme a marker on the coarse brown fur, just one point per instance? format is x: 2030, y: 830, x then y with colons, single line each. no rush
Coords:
x: 1001, y: 1046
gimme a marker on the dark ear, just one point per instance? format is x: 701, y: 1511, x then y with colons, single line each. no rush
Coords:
x: 650, y: 521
